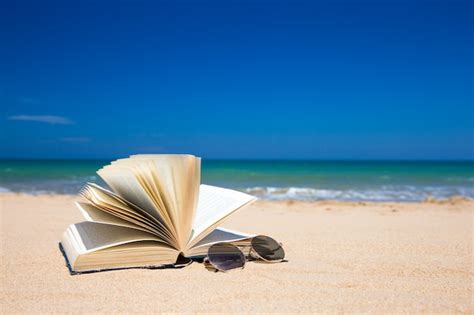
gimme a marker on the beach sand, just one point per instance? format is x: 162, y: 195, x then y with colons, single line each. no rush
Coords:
x: 343, y: 257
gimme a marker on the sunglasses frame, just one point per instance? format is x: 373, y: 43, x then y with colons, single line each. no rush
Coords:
x: 252, y: 256
x: 211, y: 267
x: 255, y: 256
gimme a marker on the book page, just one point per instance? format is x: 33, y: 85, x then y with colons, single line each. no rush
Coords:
x: 215, y: 204
x: 115, y: 205
x: 92, y: 213
x: 177, y: 178
x: 142, y: 168
x: 90, y: 246
x: 91, y: 236
x: 137, y: 254
x: 216, y: 236
x: 124, y: 182
x: 154, y: 182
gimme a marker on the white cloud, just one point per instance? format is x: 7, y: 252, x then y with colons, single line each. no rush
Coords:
x: 49, y: 119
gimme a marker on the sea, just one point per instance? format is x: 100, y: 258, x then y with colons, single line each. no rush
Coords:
x: 407, y: 181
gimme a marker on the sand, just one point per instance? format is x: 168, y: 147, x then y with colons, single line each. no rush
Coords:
x: 343, y: 257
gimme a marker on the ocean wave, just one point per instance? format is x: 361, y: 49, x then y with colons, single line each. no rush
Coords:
x: 382, y: 193
x: 355, y: 192
x: 4, y: 190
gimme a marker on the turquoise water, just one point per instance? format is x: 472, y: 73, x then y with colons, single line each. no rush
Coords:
x: 305, y: 180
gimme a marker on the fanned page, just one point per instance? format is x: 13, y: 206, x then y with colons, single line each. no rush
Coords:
x: 93, y: 214
x: 219, y: 235
x: 215, y: 204
x: 166, y: 186
x: 115, y: 205
x: 124, y: 182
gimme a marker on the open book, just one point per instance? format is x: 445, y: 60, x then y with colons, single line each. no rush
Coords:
x: 156, y: 213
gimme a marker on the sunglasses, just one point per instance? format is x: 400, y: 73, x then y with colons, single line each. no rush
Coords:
x: 225, y: 256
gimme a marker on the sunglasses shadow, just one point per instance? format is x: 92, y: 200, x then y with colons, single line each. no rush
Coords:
x: 261, y: 261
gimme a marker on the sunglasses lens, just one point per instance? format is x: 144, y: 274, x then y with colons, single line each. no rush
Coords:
x: 226, y: 256
x: 268, y: 248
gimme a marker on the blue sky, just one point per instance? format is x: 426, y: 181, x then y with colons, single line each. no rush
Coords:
x: 237, y: 79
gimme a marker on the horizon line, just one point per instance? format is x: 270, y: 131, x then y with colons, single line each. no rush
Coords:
x: 262, y: 159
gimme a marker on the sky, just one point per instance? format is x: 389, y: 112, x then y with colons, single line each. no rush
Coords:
x: 259, y: 79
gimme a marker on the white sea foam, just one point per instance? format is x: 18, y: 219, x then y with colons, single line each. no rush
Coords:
x: 4, y: 190
x: 354, y: 192
x: 382, y: 193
